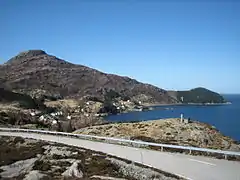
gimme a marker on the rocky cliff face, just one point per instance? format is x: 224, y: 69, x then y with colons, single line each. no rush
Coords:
x: 35, y: 70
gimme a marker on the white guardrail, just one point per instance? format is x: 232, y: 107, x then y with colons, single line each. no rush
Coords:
x: 124, y: 141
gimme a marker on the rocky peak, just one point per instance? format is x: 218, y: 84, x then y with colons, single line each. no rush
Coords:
x: 26, y: 55
x: 32, y: 53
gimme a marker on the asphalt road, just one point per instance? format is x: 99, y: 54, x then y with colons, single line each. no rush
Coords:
x: 186, y: 166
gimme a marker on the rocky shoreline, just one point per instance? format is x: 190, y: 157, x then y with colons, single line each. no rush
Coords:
x: 167, y: 131
x: 187, y: 104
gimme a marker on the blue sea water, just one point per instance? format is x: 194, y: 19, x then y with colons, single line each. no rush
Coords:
x: 225, y: 118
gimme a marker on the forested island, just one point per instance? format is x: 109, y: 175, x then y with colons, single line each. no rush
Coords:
x: 198, y: 96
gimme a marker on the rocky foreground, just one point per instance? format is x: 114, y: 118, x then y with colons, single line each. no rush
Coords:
x: 169, y: 131
x: 38, y: 160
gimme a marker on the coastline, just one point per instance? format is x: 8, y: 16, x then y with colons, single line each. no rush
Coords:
x: 168, y: 131
x: 187, y: 104
x: 151, y: 107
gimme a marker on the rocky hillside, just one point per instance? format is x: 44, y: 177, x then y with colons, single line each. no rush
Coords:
x: 197, y: 95
x: 35, y: 71
x: 30, y: 159
x: 169, y: 131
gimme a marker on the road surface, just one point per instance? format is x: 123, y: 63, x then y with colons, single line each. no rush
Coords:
x: 186, y: 166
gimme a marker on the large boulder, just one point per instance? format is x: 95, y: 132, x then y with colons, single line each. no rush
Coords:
x: 73, y: 171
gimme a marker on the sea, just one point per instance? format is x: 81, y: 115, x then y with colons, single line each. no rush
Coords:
x: 225, y: 117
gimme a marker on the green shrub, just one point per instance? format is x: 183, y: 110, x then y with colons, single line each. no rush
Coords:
x: 108, y: 107
x: 111, y: 94
x: 41, y: 165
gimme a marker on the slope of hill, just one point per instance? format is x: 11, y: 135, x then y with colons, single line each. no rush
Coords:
x: 197, y: 95
x: 24, y: 101
x: 34, y: 70
x: 168, y: 131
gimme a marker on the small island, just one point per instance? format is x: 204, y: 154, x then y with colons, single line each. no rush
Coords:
x: 198, y: 96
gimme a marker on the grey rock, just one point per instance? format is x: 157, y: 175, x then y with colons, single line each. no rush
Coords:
x: 17, y: 168
x: 73, y: 171
x: 140, y: 173
x: 36, y: 175
x: 106, y: 178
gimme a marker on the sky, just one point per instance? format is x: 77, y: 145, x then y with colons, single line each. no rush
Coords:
x: 175, y: 45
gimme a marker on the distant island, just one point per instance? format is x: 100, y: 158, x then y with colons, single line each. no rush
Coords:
x: 198, y: 96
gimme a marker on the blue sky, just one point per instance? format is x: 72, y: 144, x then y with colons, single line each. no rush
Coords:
x: 171, y: 44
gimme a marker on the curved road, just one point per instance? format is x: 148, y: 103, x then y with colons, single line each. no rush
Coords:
x: 186, y: 166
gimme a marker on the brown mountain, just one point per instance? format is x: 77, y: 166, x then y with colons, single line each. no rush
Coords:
x: 35, y: 70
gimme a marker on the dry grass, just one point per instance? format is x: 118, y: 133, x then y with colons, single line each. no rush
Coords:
x: 11, y: 152
x: 9, y: 106
x: 65, y: 103
x: 169, y: 131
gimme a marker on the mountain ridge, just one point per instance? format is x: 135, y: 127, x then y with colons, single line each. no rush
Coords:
x: 35, y: 69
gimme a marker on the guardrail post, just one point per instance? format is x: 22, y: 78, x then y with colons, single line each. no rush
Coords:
x: 190, y: 151
x: 225, y: 156
x: 161, y: 148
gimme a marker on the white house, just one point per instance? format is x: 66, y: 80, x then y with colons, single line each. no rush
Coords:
x: 54, y: 122
x: 41, y: 118
x: 32, y: 114
x: 69, y: 117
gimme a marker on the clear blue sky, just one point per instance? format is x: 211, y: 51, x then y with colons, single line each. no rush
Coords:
x: 171, y: 45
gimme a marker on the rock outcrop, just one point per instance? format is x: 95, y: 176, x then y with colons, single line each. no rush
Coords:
x: 36, y: 175
x: 73, y: 171
x: 57, y: 161
x: 169, y: 131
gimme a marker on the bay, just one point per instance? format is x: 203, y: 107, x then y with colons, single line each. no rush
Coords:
x: 225, y: 118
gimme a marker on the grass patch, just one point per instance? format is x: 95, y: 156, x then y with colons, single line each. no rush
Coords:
x: 107, y: 134
x: 57, y: 156
x: 100, y: 166
x: 62, y: 163
x: 10, y: 152
x: 18, y: 140
x: 41, y: 165
x: 108, y: 127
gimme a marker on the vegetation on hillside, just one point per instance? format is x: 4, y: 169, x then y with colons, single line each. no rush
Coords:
x: 199, y: 95
x: 108, y: 106
x: 24, y: 101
